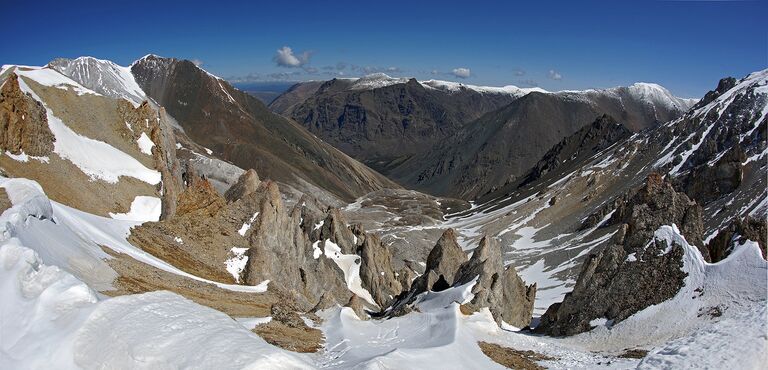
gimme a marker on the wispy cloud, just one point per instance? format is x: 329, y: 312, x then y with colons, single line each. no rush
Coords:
x: 462, y: 72
x: 197, y: 62
x: 554, y: 75
x: 285, y: 57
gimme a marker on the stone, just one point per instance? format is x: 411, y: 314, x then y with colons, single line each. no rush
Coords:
x: 23, y: 121
x: 247, y: 183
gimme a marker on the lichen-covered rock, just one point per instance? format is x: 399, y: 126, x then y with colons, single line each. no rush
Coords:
x: 247, y: 183
x: 23, y: 121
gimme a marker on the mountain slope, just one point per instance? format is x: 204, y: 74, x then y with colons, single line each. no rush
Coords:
x: 503, y: 145
x: 239, y: 128
x: 458, y: 140
x: 381, y: 120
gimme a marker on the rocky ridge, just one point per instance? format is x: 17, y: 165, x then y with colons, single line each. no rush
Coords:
x: 23, y: 122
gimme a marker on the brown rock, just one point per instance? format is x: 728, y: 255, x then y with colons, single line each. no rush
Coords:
x: 23, y: 121
x: 357, y: 305
x: 199, y: 197
x: 247, y: 183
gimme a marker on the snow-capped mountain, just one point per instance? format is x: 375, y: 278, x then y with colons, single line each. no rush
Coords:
x: 102, y: 76
x: 440, y: 136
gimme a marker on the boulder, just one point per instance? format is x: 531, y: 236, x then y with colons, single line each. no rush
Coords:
x: 247, y: 183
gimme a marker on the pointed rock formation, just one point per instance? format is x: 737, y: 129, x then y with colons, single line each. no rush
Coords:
x: 443, y: 261
x: 499, y: 289
x: 23, y: 122
x: 376, y: 271
x: 145, y: 120
x: 247, y: 183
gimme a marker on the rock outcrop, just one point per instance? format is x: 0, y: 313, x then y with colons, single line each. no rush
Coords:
x: 247, y: 183
x: 497, y: 288
x: 740, y: 230
x: 443, y: 262
x: 146, y: 120
x: 199, y: 197
x: 635, y: 271
x: 23, y: 122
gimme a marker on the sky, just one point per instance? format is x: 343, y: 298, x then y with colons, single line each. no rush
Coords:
x: 686, y: 46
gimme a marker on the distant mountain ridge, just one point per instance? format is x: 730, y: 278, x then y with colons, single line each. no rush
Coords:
x: 452, y: 139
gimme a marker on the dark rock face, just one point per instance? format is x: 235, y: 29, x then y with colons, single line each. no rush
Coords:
x: 630, y: 274
x: 240, y: 129
x: 383, y: 126
x: 588, y: 141
x: 656, y: 204
x: 23, y: 121
x: 724, y: 85
x: 740, y: 230
x: 706, y: 183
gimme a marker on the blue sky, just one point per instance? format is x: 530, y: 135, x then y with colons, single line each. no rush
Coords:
x: 684, y: 45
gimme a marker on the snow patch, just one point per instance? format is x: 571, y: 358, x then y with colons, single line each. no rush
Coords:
x: 143, y: 209
x: 236, y: 262
x: 145, y: 144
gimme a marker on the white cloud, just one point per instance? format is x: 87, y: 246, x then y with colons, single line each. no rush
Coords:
x: 197, y: 62
x: 553, y: 75
x: 286, y: 58
x: 462, y: 72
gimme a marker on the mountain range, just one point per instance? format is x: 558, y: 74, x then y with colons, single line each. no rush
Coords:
x: 154, y: 215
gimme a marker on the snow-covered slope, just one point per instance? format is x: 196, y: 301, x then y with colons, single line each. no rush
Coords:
x: 62, y: 322
x: 97, y: 159
x: 102, y: 76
